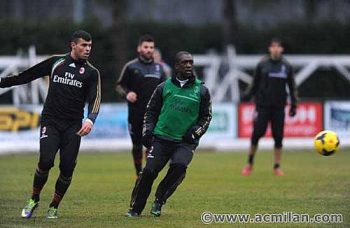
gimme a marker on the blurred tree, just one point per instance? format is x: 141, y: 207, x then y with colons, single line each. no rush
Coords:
x: 79, y: 7
x: 230, y: 22
x: 119, y: 33
x: 310, y: 9
x: 118, y: 38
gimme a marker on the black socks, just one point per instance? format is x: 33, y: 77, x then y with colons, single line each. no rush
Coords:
x: 40, y: 179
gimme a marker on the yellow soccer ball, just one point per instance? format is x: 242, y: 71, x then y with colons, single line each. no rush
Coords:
x: 326, y: 143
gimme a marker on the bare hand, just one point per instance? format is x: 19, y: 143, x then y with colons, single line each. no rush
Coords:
x: 131, y: 97
x: 85, y: 129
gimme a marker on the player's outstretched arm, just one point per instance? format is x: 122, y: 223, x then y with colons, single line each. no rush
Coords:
x: 39, y: 70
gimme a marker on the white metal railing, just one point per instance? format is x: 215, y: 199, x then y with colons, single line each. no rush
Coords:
x: 227, y: 84
x: 29, y: 93
x: 222, y: 87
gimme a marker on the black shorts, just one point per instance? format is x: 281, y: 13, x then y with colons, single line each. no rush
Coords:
x: 163, y: 151
x: 135, y: 120
x: 56, y: 134
x: 264, y: 115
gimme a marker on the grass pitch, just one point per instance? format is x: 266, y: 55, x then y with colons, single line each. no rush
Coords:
x: 100, y: 191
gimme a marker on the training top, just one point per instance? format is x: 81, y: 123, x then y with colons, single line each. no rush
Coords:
x: 71, y: 84
x: 142, y: 77
x: 173, y: 109
x: 270, y: 81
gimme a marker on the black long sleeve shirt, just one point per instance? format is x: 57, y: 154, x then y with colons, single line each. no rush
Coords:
x: 71, y: 84
x: 141, y: 77
x: 270, y: 80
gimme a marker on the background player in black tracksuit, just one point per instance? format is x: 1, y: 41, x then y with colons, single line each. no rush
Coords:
x: 177, y: 115
x: 272, y: 75
x: 73, y: 81
x: 136, y: 83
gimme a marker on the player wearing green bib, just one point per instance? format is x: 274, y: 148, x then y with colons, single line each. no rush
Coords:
x: 177, y: 115
x: 181, y: 106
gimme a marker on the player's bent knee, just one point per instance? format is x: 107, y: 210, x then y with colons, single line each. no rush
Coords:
x: 148, y: 173
x: 45, y: 165
x: 278, y: 143
x: 255, y: 141
x: 178, y: 171
x: 67, y: 171
x: 179, y: 167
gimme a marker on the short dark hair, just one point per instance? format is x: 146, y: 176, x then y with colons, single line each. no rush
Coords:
x: 179, y: 54
x: 146, y: 38
x: 80, y: 34
x: 276, y: 40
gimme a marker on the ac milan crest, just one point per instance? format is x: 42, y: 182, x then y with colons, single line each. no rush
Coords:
x: 81, y: 70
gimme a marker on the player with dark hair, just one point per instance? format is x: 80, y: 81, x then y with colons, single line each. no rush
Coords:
x: 272, y: 75
x: 136, y: 83
x: 177, y: 116
x: 73, y: 81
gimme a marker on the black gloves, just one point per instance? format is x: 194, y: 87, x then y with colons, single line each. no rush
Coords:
x: 147, y: 139
x: 192, y: 135
x: 293, y: 110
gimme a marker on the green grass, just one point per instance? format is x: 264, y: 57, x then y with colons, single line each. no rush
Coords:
x: 102, y: 183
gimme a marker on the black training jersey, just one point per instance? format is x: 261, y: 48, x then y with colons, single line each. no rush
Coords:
x: 270, y: 81
x: 142, y: 78
x: 71, y: 84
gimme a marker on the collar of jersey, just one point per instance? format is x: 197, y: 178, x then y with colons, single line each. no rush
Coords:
x: 145, y: 61
x: 79, y: 61
x: 190, y: 81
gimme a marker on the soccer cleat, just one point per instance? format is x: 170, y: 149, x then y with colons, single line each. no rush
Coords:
x: 29, y: 208
x: 156, y: 209
x: 278, y: 172
x: 52, y: 213
x: 247, y: 170
x: 131, y: 214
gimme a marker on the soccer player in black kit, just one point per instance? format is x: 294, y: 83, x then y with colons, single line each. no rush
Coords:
x: 272, y: 75
x: 73, y: 81
x: 137, y: 81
